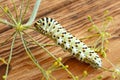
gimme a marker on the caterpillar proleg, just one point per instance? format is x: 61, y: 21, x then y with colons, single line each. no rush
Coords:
x: 77, y: 48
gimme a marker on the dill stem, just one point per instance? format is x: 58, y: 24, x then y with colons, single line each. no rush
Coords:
x: 15, y: 8
x: 32, y: 58
x: 106, y: 69
x: 10, y: 56
x: 21, y: 9
x: 97, y: 42
x: 34, y: 13
x: 3, y: 60
x: 8, y: 39
x: 9, y: 14
x: 26, y: 9
x: 48, y: 44
x: 91, y: 36
x: 6, y: 22
x: 74, y: 78
x: 110, y: 62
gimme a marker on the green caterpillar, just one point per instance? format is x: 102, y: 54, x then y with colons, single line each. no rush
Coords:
x: 77, y: 48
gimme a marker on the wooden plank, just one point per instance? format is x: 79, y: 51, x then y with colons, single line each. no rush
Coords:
x: 72, y: 14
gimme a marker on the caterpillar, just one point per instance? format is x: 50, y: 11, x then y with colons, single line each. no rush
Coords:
x: 67, y: 41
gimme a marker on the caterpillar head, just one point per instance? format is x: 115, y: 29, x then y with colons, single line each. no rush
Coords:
x: 40, y: 26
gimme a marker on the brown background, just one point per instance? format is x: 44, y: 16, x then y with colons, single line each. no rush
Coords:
x: 72, y: 14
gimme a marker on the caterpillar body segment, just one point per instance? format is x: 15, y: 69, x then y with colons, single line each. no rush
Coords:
x: 77, y: 48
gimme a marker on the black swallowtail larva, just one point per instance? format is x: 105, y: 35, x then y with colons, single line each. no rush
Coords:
x: 77, y: 48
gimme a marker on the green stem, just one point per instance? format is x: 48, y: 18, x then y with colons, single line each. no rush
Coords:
x: 47, y: 44
x: 102, y: 43
x: 3, y: 60
x: 34, y: 13
x: 106, y: 69
x: 21, y: 9
x: 57, y: 61
x: 26, y: 9
x: 110, y: 62
x: 53, y: 77
x: 6, y: 22
x: 91, y: 36
x: 74, y: 78
x: 9, y: 14
x: 10, y: 56
x: 16, y: 13
x: 33, y: 58
x: 95, y: 44
x: 8, y: 39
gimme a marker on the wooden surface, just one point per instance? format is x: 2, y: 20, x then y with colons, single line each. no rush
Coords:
x: 72, y: 14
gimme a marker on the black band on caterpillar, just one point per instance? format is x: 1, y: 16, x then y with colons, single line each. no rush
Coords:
x: 77, y: 48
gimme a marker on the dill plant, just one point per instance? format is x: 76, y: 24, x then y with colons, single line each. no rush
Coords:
x: 100, y: 34
x: 16, y: 22
x: 99, y: 37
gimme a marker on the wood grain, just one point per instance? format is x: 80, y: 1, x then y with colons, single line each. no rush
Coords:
x: 72, y: 14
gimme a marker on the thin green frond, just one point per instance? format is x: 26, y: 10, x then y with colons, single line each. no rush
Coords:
x: 45, y: 45
x: 8, y: 39
x: 8, y: 13
x: 6, y: 22
x: 32, y: 57
x: 64, y: 67
x: 15, y: 8
x: 10, y: 56
x: 26, y: 9
x: 21, y: 11
x: 3, y: 60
